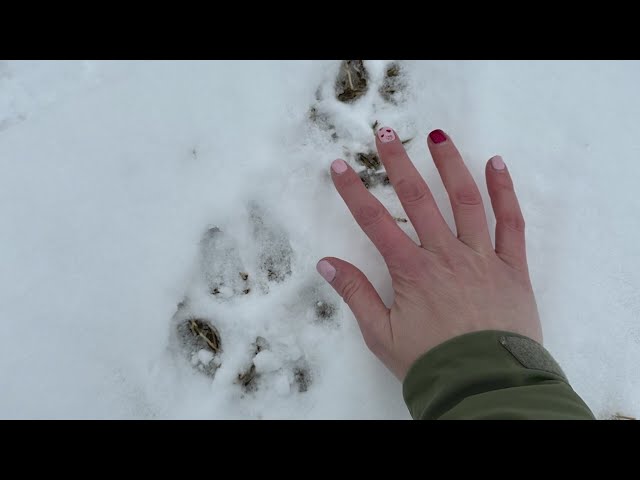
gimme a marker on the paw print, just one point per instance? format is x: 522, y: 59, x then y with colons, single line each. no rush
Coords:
x: 352, y: 83
x: 221, y: 276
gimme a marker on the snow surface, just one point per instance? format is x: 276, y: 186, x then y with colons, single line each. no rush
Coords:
x: 112, y: 171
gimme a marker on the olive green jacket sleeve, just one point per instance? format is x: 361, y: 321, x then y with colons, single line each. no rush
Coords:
x: 490, y: 375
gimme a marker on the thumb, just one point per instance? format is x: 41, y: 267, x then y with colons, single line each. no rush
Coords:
x: 363, y: 300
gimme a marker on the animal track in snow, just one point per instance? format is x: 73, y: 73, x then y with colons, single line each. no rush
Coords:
x: 223, y: 276
x: 275, y: 252
x: 353, y: 86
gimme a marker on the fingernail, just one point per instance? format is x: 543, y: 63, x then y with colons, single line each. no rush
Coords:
x: 497, y: 163
x: 437, y: 136
x: 386, y: 135
x: 326, y: 269
x: 339, y: 166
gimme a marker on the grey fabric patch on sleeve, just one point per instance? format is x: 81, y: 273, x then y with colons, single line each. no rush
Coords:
x: 531, y: 354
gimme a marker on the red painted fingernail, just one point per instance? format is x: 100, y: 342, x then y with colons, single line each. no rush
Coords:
x: 339, y: 166
x: 386, y: 135
x: 437, y: 136
x: 497, y: 163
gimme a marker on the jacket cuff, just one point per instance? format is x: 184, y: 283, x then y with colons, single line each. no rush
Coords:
x: 476, y: 363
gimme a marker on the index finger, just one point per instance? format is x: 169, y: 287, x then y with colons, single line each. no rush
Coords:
x: 370, y: 214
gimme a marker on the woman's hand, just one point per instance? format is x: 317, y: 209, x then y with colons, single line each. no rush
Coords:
x: 448, y: 285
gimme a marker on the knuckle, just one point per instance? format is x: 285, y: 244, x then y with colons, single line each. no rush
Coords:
x: 452, y: 260
x: 503, y: 182
x: 371, y: 214
x: 503, y: 193
x: 349, y: 181
x: 351, y: 287
x: 516, y: 262
x: 411, y: 191
x: 468, y: 196
x: 398, y: 258
x: 512, y: 220
x: 413, y: 271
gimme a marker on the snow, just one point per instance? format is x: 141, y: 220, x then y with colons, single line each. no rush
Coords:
x: 112, y: 172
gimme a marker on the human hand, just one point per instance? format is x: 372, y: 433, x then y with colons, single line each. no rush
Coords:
x: 446, y: 286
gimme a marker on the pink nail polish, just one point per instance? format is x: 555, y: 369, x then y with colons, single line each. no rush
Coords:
x: 497, y: 163
x: 386, y: 135
x: 437, y: 136
x: 339, y: 166
x: 326, y: 270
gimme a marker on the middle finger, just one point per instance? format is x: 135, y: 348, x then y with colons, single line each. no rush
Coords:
x: 412, y: 190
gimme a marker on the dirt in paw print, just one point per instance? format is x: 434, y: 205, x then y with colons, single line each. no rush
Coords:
x: 324, y: 310
x: 302, y: 377
x: 322, y: 120
x: 394, y: 84
x: 220, y: 264
x: 352, y: 81
x: 369, y: 160
x: 373, y: 178
x: 199, y: 342
x: 248, y: 379
x: 315, y: 302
